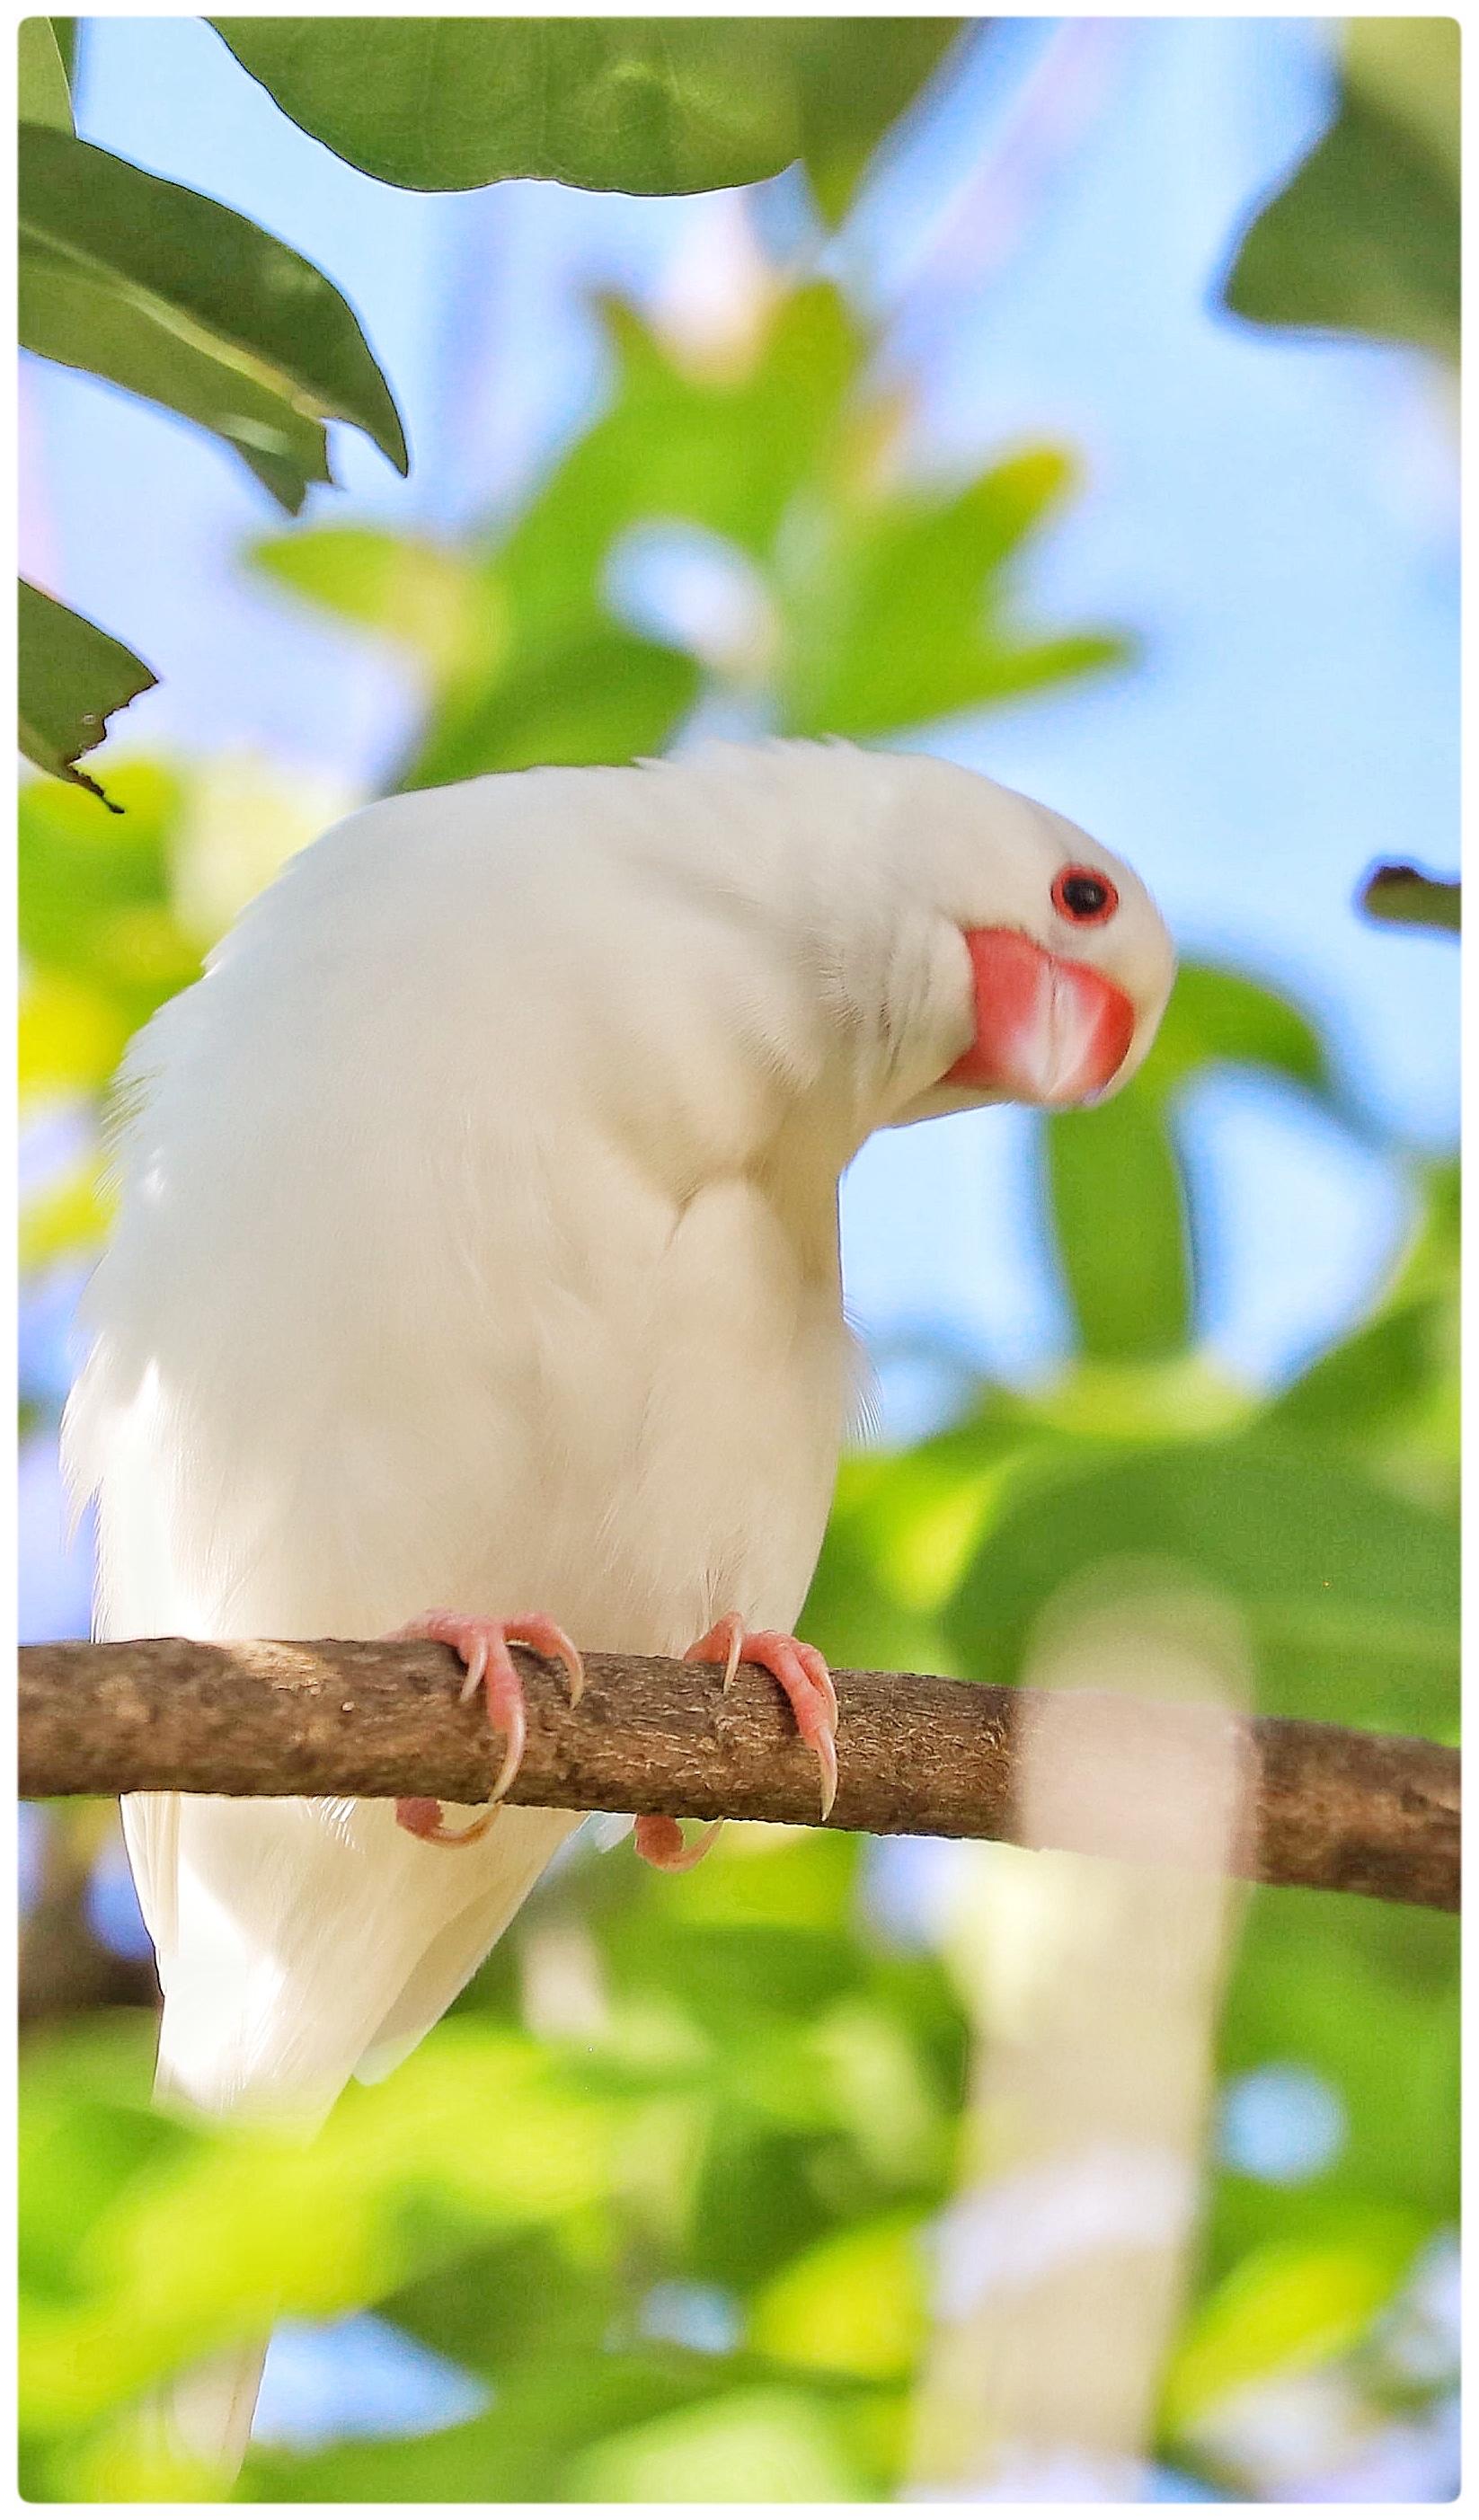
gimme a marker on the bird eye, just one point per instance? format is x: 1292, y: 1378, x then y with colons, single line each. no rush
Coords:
x: 1084, y: 895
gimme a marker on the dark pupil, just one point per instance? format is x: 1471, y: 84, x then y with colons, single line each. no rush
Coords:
x: 1084, y: 895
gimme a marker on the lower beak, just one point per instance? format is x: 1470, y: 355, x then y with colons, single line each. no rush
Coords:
x: 1047, y: 1030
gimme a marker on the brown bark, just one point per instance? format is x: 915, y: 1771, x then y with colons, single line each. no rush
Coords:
x: 1329, y: 1809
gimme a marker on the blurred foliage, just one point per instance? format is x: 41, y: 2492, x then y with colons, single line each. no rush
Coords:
x: 1366, y: 236
x: 176, y: 297
x: 623, y: 105
x: 873, y: 603
x: 738, y: 2085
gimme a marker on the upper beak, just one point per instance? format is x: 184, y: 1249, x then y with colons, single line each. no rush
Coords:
x: 1047, y: 1030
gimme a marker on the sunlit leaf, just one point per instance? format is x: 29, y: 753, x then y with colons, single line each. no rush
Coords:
x: 893, y: 615
x: 756, y: 2446
x: 627, y: 104
x: 45, y: 94
x: 419, y: 594
x: 242, y: 2228
x: 1287, y: 2309
x: 98, y: 928
x: 1366, y: 1996
x: 606, y: 698
x: 183, y: 300
x: 857, y: 2303
x: 71, y: 677
x: 68, y: 1219
x: 517, y: 2452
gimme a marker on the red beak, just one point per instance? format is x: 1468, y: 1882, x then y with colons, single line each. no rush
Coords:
x: 1047, y: 1030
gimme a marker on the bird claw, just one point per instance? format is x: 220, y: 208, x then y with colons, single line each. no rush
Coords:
x: 660, y: 1843
x: 801, y: 1672
x: 483, y: 1644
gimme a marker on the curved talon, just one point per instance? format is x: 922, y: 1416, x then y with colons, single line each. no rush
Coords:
x: 483, y: 1644
x: 660, y: 1843
x: 802, y: 1673
x: 552, y: 1642
x: 421, y: 1815
x: 726, y: 1639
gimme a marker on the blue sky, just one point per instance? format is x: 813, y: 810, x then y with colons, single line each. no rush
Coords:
x: 1273, y: 519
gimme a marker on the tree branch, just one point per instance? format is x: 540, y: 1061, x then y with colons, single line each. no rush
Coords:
x: 1327, y: 1808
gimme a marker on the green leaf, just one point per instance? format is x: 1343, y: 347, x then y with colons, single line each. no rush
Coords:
x: 1217, y: 1014
x: 182, y: 300
x: 1285, y: 2309
x: 627, y: 104
x: 893, y: 614
x: 71, y: 677
x: 1370, y: 1381
x: 1366, y: 1996
x: 44, y: 93
x: 856, y: 2303
x: 753, y: 2445
x: 855, y: 75
x: 1119, y: 1216
x: 1405, y: 897
x: 245, y: 2227
x: 545, y: 2414
x: 885, y: 603
x: 418, y: 595
x: 1366, y: 238
x: 1350, y: 1593
x: 726, y: 452
x: 1117, y: 1199
x: 102, y: 949
x: 609, y: 696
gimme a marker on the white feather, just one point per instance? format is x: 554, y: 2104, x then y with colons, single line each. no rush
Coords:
x: 477, y: 1250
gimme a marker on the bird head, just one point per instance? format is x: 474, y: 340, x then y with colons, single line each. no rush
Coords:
x: 1024, y: 962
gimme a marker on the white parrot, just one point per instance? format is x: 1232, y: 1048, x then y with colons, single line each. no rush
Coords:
x: 477, y: 1245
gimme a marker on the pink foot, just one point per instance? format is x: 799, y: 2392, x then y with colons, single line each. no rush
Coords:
x: 483, y: 1644
x: 802, y: 1674
x: 660, y: 1843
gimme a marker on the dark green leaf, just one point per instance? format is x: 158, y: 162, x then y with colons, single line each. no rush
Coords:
x: 71, y: 677
x: 1405, y: 897
x: 180, y: 299
x: 1367, y: 1994
x: 1369, y: 1382
x: 627, y: 104
x: 855, y: 75
x: 44, y: 94
x: 1365, y: 237
x: 1119, y: 1215
x: 1350, y: 1593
